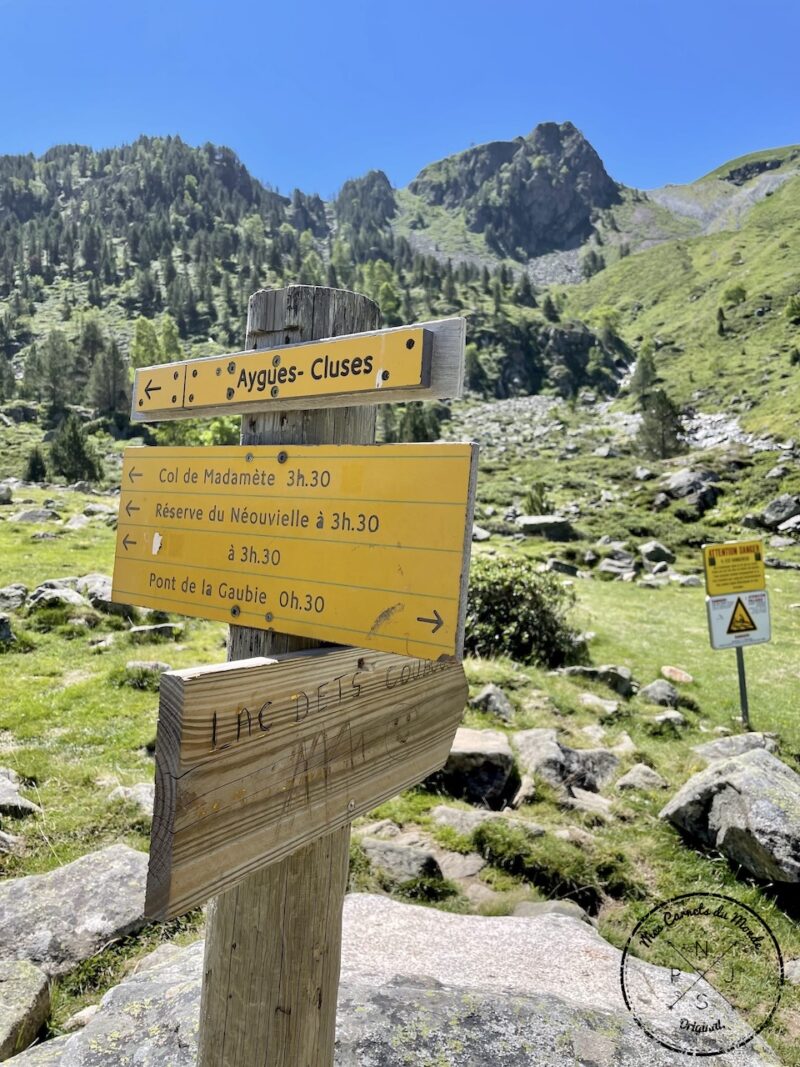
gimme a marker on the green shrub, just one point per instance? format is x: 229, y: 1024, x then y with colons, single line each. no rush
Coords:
x: 734, y: 294
x: 35, y: 467
x: 793, y: 309
x: 514, y: 610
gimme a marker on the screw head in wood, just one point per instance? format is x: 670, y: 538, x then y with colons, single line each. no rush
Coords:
x: 384, y: 375
x: 231, y: 367
x: 236, y: 611
x: 249, y: 457
x: 276, y: 361
x: 410, y: 342
x: 274, y: 391
x: 229, y: 394
x: 282, y: 457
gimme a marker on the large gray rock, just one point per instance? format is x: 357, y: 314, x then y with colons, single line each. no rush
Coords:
x: 11, y: 803
x: 660, y: 692
x: 401, y: 862
x: 617, y: 678
x: 550, y: 527
x: 480, y: 768
x: 641, y: 778
x: 141, y: 796
x: 13, y: 597
x: 655, y: 552
x: 541, y: 753
x: 35, y: 515
x: 58, y: 919
x: 467, y: 822
x: 6, y: 494
x: 493, y: 700
x: 46, y: 596
x: 725, y: 747
x: 780, y: 510
x: 97, y: 590
x: 687, y: 483
x: 24, y: 1005
x: 419, y: 988
x: 747, y: 807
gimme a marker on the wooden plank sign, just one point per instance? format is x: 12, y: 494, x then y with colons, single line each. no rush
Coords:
x: 256, y: 758
x: 418, y: 362
x: 364, y: 545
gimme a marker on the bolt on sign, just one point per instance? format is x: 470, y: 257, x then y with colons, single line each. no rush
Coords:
x: 734, y: 567
x: 256, y: 758
x: 365, y: 545
x: 418, y: 362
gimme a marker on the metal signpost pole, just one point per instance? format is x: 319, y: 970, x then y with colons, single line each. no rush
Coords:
x: 742, y: 688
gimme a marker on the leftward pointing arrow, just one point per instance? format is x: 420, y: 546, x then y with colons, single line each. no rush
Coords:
x: 129, y: 507
x: 436, y: 622
x: 127, y: 542
x: 150, y: 388
x: 133, y: 473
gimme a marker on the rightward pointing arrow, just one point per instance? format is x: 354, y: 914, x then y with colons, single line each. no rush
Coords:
x: 150, y: 388
x: 133, y: 473
x: 127, y: 542
x: 436, y: 622
x: 129, y: 507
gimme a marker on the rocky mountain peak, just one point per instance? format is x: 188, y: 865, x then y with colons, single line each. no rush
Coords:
x: 529, y: 196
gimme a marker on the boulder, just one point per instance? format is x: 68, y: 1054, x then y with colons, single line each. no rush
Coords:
x: 655, y: 552
x: 6, y: 494
x: 10, y: 844
x: 617, y: 678
x: 480, y: 768
x: 35, y: 515
x: 47, y: 596
x: 660, y: 692
x: 780, y: 510
x: 82, y: 1018
x: 643, y: 474
x: 560, y: 566
x: 93, y: 510
x: 58, y: 919
x: 13, y: 597
x: 665, y: 722
x: 142, y: 796
x: 420, y: 987
x: 616, y: 569
x: 687, y: 483
x: 493, y: 700
x: 24, y: 1005
x: 147, y: 666
x: 592, y: 804
x: 7, y: 635
x: 550, y: 527
x: 467, y: 822
x: 11, y: 803
x: 533, y: 908
x: 97, y: 590
x: 401, y: 862
x: 166, y: 631
x: 479, y: 534
x: 641, y: 777
x: 541, y: 753
x: 690, y: 581
x: 747, y: 807
x: 725, y: 747
x: 76, y: 522
x: 676, y: 674
x: 605, y: 709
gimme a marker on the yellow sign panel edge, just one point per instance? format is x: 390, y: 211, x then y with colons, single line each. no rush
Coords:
x: 713, y: 590
x: 416, y: 647
x: 446, y: 380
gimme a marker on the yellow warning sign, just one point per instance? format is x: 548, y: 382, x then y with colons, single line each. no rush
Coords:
x: 734, y: 567
x: 741, y: 619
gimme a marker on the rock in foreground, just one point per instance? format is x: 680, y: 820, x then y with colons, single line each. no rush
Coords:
x: 58, y: 919
x: 419, y: 987
x: 748, y: 807
x: 24, y: 1005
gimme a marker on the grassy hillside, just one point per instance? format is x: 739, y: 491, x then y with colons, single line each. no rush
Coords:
x: 670, y: 296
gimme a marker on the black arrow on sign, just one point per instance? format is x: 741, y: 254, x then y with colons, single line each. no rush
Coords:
x: 436, y: 622
x: 133, y: 473
x: 127, y: 542
x: 129, y: 507
x: 150, y: 388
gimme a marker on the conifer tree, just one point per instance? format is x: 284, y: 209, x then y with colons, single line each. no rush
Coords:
x: 109, y: 383
x: 71, y: 454
x: 660, y: 430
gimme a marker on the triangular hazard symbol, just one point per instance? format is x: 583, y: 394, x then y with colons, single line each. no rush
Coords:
x: 741, y: 620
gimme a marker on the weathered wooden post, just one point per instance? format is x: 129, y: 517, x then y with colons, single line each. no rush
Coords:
x: 309, y: 532
x: 273, y: 942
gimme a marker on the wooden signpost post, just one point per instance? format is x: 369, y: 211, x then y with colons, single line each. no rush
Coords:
x: 262, y: 763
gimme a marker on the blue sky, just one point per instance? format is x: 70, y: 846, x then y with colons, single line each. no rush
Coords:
x: 311, y: 94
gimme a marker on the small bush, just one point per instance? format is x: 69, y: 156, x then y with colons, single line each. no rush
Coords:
x: 793, y: 309
x: 734, y: 294
x: 513, y: 610
x: 35, y: 467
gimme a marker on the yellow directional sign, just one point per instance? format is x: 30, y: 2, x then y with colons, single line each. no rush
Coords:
x: 734, y: 567
x: 385, y: 362
x: 365, y: 545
